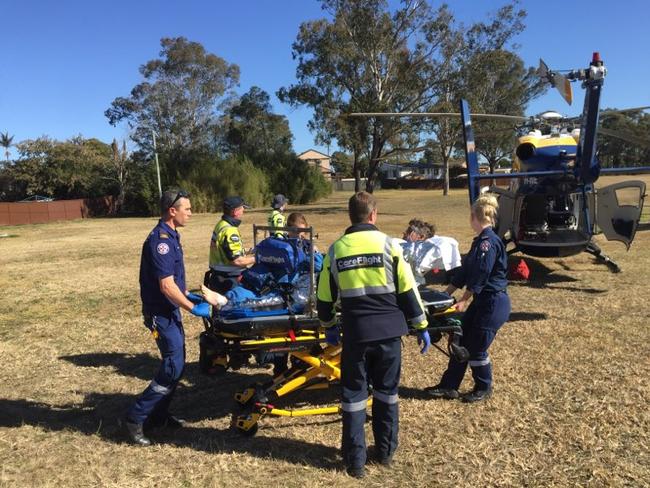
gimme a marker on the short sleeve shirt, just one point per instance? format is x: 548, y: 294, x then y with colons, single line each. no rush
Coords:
x: 162, y: 256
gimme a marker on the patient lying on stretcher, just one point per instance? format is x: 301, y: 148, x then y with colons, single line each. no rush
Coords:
x: 280, y: 277
x: 425, y: 251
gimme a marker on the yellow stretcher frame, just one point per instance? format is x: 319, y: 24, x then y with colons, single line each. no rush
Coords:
x: 317, y: 369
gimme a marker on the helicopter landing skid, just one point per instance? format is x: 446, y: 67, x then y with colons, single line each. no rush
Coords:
x: 593, y: 249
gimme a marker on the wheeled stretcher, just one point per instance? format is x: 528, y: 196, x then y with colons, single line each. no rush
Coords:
x: 314, y: 365
x: 231, y: 338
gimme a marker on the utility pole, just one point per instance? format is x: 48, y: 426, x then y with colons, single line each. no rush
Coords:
x: 155, y: 154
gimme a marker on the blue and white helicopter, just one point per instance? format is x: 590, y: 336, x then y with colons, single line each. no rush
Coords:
x: 552, y: 208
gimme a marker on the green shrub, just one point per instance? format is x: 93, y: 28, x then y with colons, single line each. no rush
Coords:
x: 297, y: 180
x: 210, y: 181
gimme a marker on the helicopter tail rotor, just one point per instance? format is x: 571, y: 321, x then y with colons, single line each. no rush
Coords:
x: 560, y: 82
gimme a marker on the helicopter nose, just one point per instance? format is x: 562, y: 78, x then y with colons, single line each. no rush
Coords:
x: 525, y: 151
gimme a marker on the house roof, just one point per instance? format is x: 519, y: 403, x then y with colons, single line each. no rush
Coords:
x: 316, y: 154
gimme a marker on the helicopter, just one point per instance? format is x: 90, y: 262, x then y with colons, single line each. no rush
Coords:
x: 552, y: 208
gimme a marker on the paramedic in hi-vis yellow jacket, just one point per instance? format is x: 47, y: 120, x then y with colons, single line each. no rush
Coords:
x: 228, y: 258
x: 379, y: 302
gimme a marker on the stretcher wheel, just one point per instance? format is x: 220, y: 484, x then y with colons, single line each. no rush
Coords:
x: 212, y: 359
x: 246, y: 424
x: 250, y: 432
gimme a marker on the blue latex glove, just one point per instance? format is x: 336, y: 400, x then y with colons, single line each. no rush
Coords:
x: 201, y: 310
x: 333, y: 335
x: 423, y: 338
x: 194, y: 298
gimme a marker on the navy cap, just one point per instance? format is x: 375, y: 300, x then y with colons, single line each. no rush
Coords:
x: 278, y: 201
x: 232, y: 203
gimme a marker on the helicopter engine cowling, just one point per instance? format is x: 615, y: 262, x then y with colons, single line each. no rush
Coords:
x: 539, y: 153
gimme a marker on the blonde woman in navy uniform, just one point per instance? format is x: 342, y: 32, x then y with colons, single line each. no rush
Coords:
x: 483, y: 275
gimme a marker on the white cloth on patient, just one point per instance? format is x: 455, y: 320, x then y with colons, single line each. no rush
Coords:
x: 438, y: 252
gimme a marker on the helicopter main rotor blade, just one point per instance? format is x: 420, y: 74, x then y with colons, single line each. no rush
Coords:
x: 401, y: 114
x: 509, y: 118
x: 625, y: 136
x: 560, y: 82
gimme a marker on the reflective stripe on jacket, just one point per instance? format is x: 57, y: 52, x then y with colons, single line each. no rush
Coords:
x: 225, y: 245
x: 276, y: 219
x: 366, y: 270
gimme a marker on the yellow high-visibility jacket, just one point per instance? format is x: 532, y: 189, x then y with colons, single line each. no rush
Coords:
x: 276, y: 219
x: 365, y: 268
x: 226, y: 245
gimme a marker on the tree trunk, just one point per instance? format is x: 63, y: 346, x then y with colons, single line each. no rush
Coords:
x: 445, y: 175
x: 119, y: 203
x: 356, y: 172
x: 493, y: 164
x: 371, y: 176
x: 375, y: 153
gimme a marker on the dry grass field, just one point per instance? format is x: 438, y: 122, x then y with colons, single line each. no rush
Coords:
x: 572, y: 372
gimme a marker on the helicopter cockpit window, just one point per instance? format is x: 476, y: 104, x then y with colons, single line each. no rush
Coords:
x: 628, y: 197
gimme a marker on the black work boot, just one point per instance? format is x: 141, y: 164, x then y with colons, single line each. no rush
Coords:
x: 440, y: 392
x: 168, y: 422
x: 173, y: 422
x: 356, y: 471
x: 477, y: 395
x: 136, y: 434
x: 385, y: 460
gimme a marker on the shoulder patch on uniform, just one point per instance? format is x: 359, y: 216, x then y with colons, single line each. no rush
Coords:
x: 485, y: 246
x: 162, y: 248
x: 163, y: 235
x: 234, y: 238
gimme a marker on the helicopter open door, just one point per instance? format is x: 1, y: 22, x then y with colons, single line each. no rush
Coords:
x: 618, y: 209
x: 506, y: 215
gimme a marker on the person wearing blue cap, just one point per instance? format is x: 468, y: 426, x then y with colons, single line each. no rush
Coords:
x: 276, y: 217
x: 228, y: 258
x: 163, y: 293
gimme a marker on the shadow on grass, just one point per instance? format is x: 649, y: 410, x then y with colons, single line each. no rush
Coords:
x: 142, y: 366
x: 542, y: 277
x: 526, y: 316
x: 409, y: 393
x: 99, y: 414
x: 198, y: 398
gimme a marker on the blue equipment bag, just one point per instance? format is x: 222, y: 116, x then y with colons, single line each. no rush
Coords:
x: 281, y: 256
x: 257, y: 278
x: 278, y: 260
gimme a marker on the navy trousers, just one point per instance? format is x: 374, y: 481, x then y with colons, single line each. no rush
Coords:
x: 483, y: 318
x: 154, y: 401
x: 378, y: 363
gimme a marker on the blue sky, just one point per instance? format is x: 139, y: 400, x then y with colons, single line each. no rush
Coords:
x: 64, y: 62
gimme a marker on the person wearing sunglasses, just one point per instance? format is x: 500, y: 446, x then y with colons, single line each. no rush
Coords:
x: 164, y: 293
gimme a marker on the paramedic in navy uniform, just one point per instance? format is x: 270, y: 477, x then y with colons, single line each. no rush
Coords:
x: 483, y: 275
x: 163, y: 292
